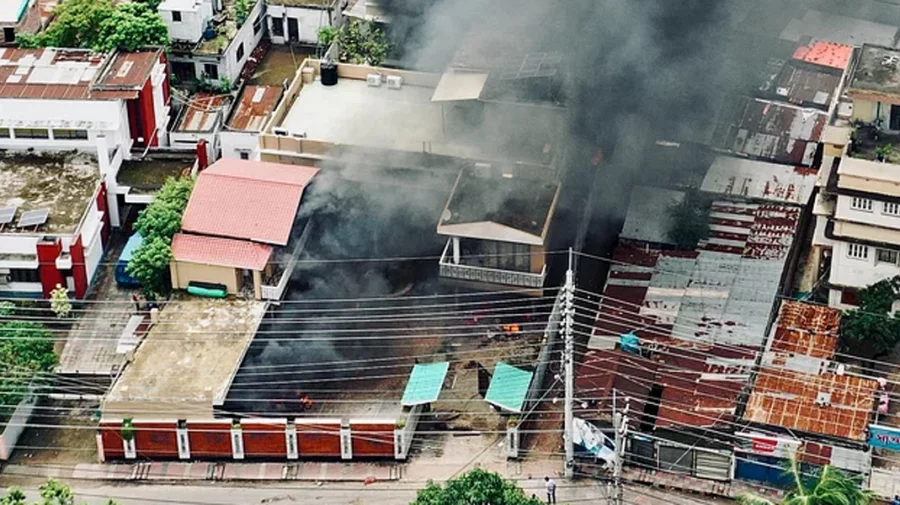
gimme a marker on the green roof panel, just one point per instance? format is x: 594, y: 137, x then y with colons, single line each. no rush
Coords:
x: 508, y: 388
x: 425, y: 383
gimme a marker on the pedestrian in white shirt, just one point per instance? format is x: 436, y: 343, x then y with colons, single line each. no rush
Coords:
x: 550, y: 484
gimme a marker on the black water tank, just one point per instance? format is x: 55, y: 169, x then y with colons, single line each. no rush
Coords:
x: 329, y: 73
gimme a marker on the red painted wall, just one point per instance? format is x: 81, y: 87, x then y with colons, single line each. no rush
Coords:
x: 372, y: 440
x: 264, y: 440
x: 47, y: 252
x: 103, y: 207
x: 210, y: 440
x: 148, y: 118
x: 79, y: 267
x: 156, y: 440
x: 113, y: 445
x: 319, y: 440
x: 167, y: 92
x: 134, y: 120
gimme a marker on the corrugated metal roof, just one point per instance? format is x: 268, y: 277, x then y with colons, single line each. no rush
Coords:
x: 826, y: 54
x: 202, y: 113
x: 648, y: 218
x: 425, y: 383
x: 807, y: 329
x: 254, y: 106
x: 769, y: 130
x: 223, y: 252
x: 509, y: 387
x: 603, y: 371
x: 721, y: 293
x: 249, y: 200
x: 792, y: 400
x: 759, y: 180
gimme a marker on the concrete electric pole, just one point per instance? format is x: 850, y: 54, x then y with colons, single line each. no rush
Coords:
x: 568, y: 359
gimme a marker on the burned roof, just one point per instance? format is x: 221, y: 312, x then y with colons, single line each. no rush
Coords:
x: 254, y: 106
x: 721, y: 292
x: 496, y: 207
x: 825, y: 404
x: 769, y: 130
x: 72, y: 74
x: 876, y: 73
x: 649, y: 218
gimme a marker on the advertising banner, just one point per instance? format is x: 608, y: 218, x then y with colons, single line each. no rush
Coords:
x: 884, y: 437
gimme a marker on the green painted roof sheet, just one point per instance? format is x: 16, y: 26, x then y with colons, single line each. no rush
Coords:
x: 508, y: 388
x: 425, y: 383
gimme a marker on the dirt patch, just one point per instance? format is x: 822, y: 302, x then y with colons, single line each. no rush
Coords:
x: 279, y: 64
x: 58, y: 433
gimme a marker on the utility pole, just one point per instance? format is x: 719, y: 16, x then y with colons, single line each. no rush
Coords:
x: 620, y: 423
x: 568, y: 359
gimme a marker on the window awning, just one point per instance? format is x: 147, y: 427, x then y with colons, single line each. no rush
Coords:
x: 425, y: 383
x: 457, y: 86
x: 509, y: 387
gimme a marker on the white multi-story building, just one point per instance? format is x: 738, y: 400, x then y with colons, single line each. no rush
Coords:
x: 299, y: 21
x: 211, y: 39
x: 857, y: 236
x: 61, y: 100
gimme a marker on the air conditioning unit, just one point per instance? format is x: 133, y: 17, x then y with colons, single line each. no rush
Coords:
x: 300, y: 135
x: 373, y: 80
x: 394, y: 82
x: 281, y: 132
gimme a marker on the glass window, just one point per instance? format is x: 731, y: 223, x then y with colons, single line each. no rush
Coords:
x: 864, y: 204
x: 857, y: 251
x: 240, y: 51
x: 4, y: 133
x: 885, y: 256
x: 23, y: 275
x: 257, y: 25
x: 70, y: 134
x: 245, y: 155
x: 176, y: 16
x: 31, y: 133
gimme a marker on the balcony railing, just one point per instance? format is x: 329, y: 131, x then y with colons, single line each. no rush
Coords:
x: 275, y: 290
x: 490, y: 275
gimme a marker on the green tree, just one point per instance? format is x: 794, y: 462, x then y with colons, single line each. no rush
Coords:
x: 59, y: 301
x: 872, y: 331
x: 157, y: 224
x: 131, y: 27
x: 475, y: 488
x: 7, y: 309
x: 53, y: 492
x: 26, y: 351
x: 689, y: 221
x: 362, y: 42
x: 828, y: 486
x: 101, y: 25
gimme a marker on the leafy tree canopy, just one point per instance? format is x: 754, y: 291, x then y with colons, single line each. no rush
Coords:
x: 689, y: 221
x: 157, y: 224
x: 101, y: 25
x: 362, y: 42
x: 873, y: 331
x: 828, y: 486
x: 27, y: 349
x: 475, y: 488
x: 53, y: 492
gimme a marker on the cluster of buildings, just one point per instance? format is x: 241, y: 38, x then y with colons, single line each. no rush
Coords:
x: 723, y: 374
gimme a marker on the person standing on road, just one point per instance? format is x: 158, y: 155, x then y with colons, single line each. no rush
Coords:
x: 550, y: 484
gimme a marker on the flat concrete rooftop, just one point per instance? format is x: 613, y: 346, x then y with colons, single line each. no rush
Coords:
x: 877, y: 71
x: 64, y: 183
x: 354, y: 113
x: 187, y: 361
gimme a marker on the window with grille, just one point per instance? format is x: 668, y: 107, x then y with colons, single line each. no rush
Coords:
x: 861, y: 204
x: 176, y: 16
x: 4, y: 133
x: 858, y: 251
x: 891, y: 209
x: 885, y: 256
x: 31, y: 133
x: 70, y: 134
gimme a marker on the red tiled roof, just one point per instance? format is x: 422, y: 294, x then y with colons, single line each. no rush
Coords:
x: 788, y: 399
x: 223, y: 252
x: 826, y: 54
x: 807, y: 329
x: 249, y: 200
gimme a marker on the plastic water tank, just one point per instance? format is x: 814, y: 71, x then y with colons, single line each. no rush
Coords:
x: 329, y: 73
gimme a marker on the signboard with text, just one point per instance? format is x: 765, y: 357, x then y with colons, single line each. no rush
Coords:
x: 767, y: 445
x: 884, y: 437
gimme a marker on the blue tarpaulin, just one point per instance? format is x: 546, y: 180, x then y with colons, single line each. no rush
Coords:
x: 631, y: 343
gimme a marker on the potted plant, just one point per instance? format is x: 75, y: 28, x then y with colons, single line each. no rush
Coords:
x: 883, y: 153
